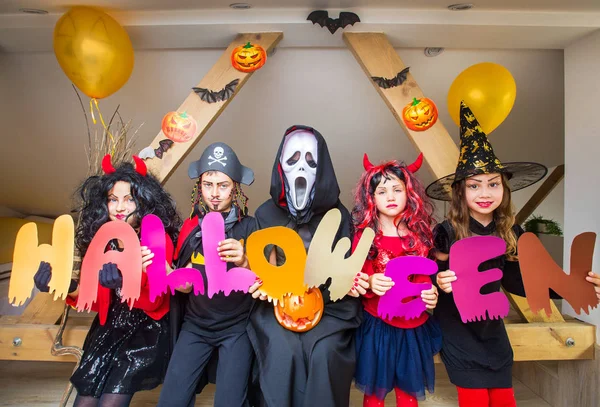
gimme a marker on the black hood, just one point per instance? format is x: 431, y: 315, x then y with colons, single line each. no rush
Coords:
x: 327, y: 190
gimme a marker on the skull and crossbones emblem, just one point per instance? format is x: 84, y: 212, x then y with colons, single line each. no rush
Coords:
x: 219, y: 157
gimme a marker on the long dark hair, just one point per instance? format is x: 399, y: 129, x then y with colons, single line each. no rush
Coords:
x: 148, y: 194
x: 504, y: 216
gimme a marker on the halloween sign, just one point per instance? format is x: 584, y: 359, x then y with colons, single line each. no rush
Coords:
x: 399, y: 269
x: 465, y: 257
x: 292, y: 286
x: 28, y: 254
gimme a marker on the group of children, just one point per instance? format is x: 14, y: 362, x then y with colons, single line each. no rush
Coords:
x: 257, y: 361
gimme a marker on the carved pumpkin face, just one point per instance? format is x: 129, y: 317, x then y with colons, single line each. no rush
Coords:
x: 301, y: 315
x: 179, y: 127
x: 248, y: 58
x: 420, y: 115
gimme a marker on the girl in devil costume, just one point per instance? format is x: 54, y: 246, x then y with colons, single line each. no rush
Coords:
x: 394, y: 353
x: 125, y: 350
x: 478, y: 355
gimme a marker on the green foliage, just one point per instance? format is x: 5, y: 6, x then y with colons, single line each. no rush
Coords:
x: 537, y: 224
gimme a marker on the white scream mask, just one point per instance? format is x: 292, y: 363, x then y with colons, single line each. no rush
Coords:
x: 299, y: 164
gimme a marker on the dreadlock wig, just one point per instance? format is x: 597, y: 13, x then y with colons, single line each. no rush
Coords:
x: 417, y: 215
x: 239, y: 201
x: 148, y: 194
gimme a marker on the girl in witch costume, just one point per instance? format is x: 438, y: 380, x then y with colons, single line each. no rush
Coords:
x: 394, y: 353
x: 312, y: 368
x: 125, y: 350
x: 208, y: 327
x: 478, y: 355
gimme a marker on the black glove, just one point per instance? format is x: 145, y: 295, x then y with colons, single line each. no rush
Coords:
x: 44, y: 274
x: 42, y: 277
x: 110, y: 276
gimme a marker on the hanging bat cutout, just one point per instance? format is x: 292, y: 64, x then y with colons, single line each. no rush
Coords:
x: 150, y: 152
x: 385, y: 83
x: 322, y: 18
x: 210, y: 96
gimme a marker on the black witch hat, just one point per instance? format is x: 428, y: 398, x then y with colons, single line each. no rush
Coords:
x: 477, y: 157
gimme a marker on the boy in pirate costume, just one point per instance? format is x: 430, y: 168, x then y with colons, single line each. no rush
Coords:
x: 478, y: 355
x: 218, y: 323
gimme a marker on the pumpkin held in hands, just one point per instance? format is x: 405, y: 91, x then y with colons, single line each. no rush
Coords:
x: 300, y: 314
x: 248, y: 58
x: 420, y: 115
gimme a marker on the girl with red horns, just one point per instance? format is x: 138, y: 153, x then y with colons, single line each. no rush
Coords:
x: 394, y: 353
x: 126, y: 350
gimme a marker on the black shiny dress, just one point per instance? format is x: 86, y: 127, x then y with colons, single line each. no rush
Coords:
x: 127, y: 354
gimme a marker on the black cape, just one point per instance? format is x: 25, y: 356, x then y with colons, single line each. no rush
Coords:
x: 314, y: 368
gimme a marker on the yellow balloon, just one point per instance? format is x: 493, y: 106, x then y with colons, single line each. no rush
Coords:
x: 488, y: 89
x: 93, y: 50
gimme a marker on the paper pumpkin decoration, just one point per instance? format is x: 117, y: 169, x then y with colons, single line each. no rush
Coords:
x: 179, y: 127
x: 300, y: 314
x: 420, y: 115
x: 248, y: 58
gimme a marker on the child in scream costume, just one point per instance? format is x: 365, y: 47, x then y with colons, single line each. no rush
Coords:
x: 312, y: 368
x: 394, y: 353
x: 478, y: 355
x: 125, y: 350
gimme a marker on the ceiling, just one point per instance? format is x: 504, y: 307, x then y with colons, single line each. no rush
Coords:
x: 181, y: 24
x: 307, y: 82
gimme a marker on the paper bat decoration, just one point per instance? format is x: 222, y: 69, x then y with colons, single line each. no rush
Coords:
x: 150, y: 152
x: 385, y: 83
x: 322, y: 18
x: 211, y: 96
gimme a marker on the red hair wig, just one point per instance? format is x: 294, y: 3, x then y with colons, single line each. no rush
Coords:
x: 417, y: 215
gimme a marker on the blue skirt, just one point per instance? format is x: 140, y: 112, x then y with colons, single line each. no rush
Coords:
x: 388, y: 357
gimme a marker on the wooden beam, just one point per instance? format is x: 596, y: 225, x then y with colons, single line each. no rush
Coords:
x: 42, y: 310
x: 551, y: 341
x: 377, y: 57
x: 521, y: 306
x: 205, y: 113
x: 530, y: 342
x: 34, y: 341
x: 543, y: 191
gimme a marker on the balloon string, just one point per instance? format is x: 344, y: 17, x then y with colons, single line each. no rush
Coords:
x: 94, y: 103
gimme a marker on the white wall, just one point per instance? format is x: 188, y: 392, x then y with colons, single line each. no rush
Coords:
x: 582, y: 147
x: 44, y: 131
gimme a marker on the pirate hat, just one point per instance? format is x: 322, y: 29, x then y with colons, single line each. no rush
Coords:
x: 220, y: 157
x: 477, y: 157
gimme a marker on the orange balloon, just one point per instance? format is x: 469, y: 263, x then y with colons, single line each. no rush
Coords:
x: 93, y: 50
x: 488, y: 89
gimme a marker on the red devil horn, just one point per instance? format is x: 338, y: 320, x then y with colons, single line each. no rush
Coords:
x: 140, y: 166
x: 414, y: 167
x: 366, y: 163
x: 107, y: 166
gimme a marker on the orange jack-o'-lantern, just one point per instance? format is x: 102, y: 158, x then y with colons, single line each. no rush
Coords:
x: 300, y: 314
x: 179, y: 127
x: 248, y: 58
x: 420, y: 115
